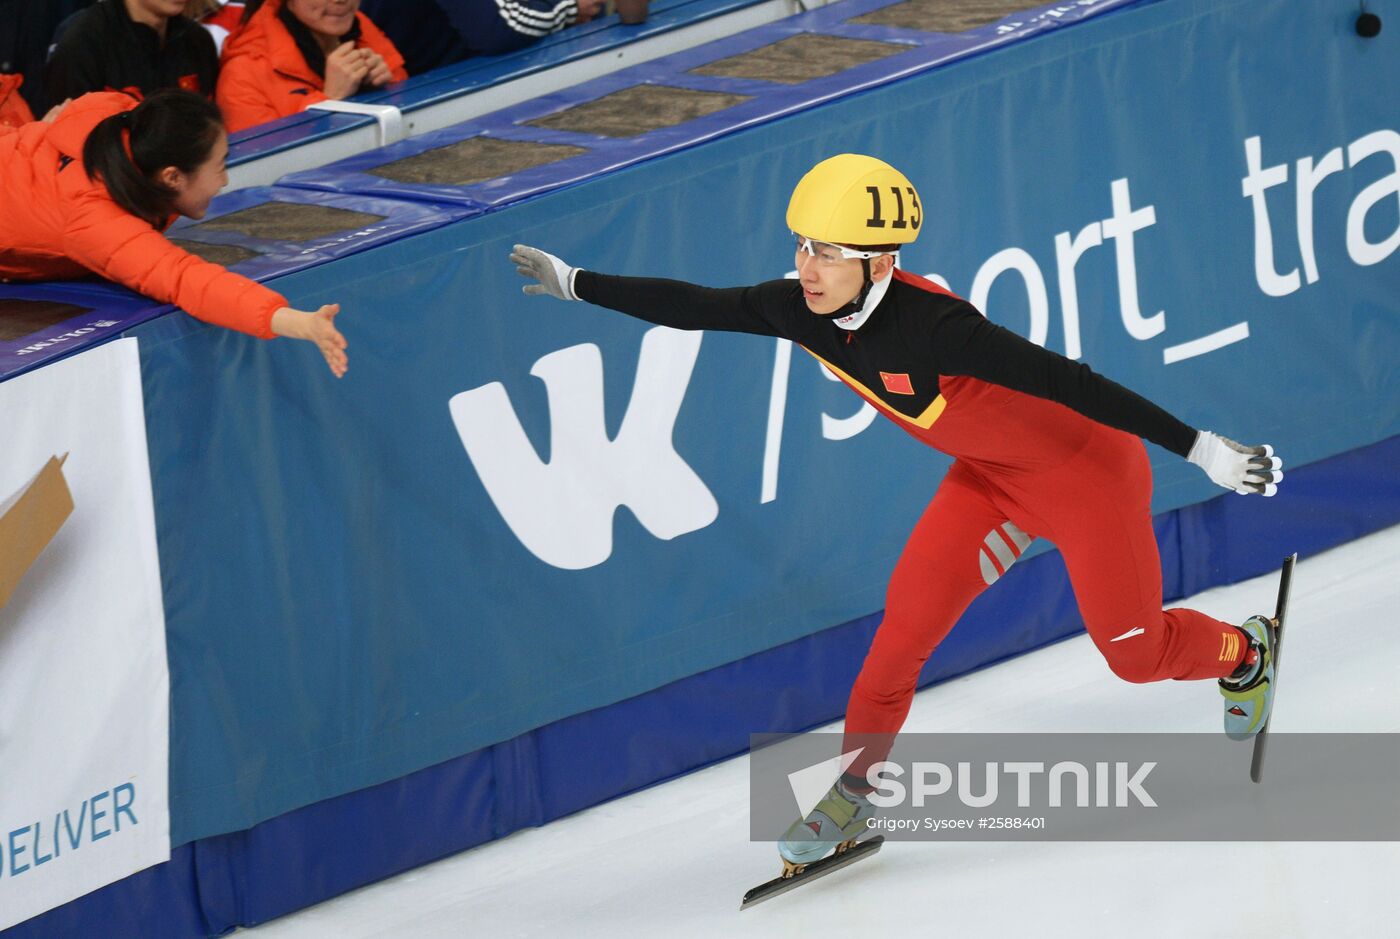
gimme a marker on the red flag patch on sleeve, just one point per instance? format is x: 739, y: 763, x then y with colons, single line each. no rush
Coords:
x: 897, y: 384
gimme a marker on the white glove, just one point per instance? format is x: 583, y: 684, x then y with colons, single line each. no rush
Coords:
x: 1235, y: 466
x: 555, y: 277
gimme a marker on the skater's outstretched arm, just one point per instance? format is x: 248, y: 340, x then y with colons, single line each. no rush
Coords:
x: 674, y: 303
x: 966, y: 343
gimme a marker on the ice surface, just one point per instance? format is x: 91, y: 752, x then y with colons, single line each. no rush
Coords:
x: 674, y: 860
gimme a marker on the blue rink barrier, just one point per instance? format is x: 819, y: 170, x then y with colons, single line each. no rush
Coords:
x: 213, y: 885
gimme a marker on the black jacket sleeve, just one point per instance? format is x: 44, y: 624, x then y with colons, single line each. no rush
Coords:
x: 75, y: 65
x: 758, y: 309
x: 967, y: 343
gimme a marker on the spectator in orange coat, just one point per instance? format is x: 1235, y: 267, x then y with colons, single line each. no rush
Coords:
x: 94, y: 190
x: 291, y: 53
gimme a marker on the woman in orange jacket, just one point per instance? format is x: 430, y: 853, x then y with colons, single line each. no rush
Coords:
x: 94, y: 191
x: 291, y: 53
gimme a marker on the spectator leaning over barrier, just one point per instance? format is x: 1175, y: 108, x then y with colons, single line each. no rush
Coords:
x: 291, y: 53
x: 94, y: 190
x: 136, y: 46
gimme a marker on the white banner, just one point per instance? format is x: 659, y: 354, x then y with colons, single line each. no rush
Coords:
x: 84, y: 687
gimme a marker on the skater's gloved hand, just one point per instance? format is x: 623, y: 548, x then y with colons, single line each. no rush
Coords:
x: 1235, y: 466
x: 555, y: 277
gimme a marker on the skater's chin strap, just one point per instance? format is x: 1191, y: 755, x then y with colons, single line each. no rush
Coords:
x: 854, y: 314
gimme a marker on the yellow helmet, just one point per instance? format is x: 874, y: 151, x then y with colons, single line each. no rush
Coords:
x: 852, y: 199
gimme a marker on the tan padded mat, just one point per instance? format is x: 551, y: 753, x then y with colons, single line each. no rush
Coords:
x: 798, y: 59
x: 20, y: 318
x: 944, y: 16
x: 226, y: 255
x: 636, y: 110
x: 473, y: 160
x: 288, y: 221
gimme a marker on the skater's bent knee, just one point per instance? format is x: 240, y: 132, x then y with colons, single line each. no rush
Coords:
x: 1138, y: 669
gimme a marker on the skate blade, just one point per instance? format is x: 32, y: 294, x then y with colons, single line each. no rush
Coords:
x: 1261, y: 739
x: 810, y: 872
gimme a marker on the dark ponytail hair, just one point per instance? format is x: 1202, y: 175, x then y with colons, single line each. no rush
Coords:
x: 170, y: 128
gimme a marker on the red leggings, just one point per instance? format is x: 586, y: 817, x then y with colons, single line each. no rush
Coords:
x: 1096, y: 509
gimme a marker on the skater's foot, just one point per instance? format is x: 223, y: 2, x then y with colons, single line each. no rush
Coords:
x: 1249, y: 690
x: 840, y: 816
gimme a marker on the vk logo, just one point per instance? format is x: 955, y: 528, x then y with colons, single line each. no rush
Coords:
x: 562, y: 511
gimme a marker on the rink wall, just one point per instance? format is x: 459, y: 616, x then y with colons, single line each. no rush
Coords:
x: 326, y: 849
x: 403, y: 614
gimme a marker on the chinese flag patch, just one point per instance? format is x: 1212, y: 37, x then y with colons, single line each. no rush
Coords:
x: 897, y: 384
x: 190, y: 82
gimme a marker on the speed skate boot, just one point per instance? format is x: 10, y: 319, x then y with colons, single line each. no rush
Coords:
x: 1249, y: 689
x: 840, y: 817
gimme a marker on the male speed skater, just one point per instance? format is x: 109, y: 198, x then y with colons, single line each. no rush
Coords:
x: 1043, y: 447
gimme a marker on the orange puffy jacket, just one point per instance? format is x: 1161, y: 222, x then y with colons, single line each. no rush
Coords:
x: 59, y: 225
x: 14, y: 110
x: 264, y: 76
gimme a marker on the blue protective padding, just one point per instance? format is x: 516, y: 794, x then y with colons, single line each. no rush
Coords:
x: 276, y: 257
x: 166, y: 901
x: 768, y: 102
x: 317, y: 852
x: 338, y: 845
x: 110, y: 309
x: 577, y: 42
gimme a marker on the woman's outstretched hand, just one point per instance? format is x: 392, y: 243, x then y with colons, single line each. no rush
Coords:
x: 318, y: 327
